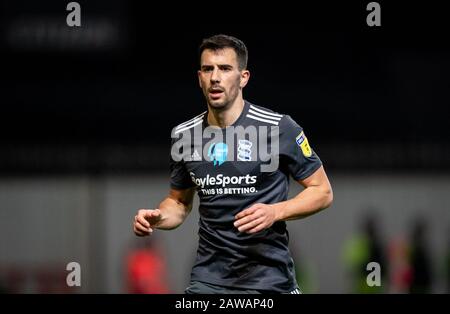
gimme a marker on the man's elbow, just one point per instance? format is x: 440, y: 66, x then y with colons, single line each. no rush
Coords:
x: 327, y: 197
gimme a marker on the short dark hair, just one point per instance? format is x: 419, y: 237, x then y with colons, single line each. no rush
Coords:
x: 218, y: 42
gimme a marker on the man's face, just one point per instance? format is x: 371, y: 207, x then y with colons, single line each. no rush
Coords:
x: 220, y: 78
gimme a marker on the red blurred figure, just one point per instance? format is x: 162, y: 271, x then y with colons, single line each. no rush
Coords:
x: 146, y: 271
x: 400, y: 269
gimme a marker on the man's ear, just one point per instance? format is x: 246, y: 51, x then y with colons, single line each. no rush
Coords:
x: 245, y: 76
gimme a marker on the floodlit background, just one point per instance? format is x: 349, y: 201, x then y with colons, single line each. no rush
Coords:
x: 85, y: 121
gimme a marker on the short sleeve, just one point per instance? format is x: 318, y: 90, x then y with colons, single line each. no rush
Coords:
x: 295, y: 152
x: 179, y: 176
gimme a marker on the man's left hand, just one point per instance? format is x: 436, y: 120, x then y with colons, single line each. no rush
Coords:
x: 255, y: 218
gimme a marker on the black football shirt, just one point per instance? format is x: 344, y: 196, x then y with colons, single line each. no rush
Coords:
x: 227, y: 171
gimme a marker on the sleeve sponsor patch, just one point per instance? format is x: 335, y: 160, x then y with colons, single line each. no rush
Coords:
x: 302, y: 141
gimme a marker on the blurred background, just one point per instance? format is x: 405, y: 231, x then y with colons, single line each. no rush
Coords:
x: 85, y: 120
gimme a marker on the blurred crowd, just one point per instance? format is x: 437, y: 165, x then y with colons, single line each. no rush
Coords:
x: 406, y: 265
x: 405, y: 262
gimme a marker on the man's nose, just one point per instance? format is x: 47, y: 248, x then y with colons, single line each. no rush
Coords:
x: 215, y: 76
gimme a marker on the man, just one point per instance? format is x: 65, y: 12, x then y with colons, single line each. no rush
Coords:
x: 243, y: 241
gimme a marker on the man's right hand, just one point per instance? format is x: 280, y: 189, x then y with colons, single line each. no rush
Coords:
x: 145, y: 221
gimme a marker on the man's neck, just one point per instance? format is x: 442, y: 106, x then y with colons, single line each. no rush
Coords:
x: 225, y: 117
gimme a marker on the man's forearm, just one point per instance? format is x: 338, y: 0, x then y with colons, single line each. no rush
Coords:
x: 173, y: 214
x: 308, y: 202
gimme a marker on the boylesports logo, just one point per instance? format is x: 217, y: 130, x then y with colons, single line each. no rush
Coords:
x: 217, y: 185
x: 222, y: 180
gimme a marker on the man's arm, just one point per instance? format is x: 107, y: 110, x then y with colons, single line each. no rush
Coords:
x: 316, y: 196
x: 171, y: 213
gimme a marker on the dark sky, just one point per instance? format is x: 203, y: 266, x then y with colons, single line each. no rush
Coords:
x: 340, y: 79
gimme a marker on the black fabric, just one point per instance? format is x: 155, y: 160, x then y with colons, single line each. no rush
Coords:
x: 198, y: 287
x: 225, y: 256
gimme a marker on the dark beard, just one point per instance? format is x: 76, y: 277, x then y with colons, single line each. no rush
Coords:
x: 219, y: 106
